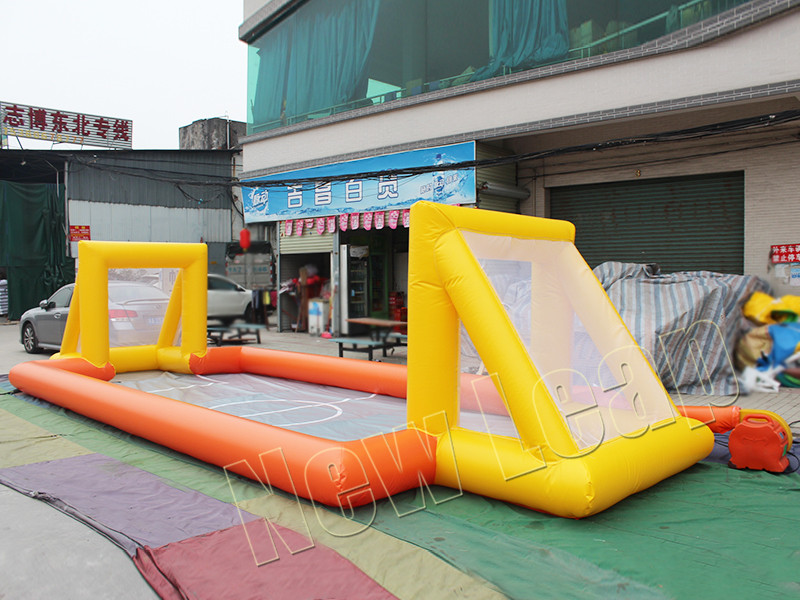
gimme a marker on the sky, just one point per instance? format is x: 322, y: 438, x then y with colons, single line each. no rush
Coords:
x: 162, y: 64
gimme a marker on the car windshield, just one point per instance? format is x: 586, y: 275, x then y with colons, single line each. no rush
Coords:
x: 128, y: 293
x: 215, y: 283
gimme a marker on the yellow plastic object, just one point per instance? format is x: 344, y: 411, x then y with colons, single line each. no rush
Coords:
x: 87, y: 323
x: 763, y: 309
x: 588, y: 435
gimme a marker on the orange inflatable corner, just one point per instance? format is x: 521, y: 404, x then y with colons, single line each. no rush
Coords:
x: 78, y: 365
x: 225, y: 359
x: 720, y: 419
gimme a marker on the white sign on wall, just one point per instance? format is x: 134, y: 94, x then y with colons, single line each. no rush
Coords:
x: 63, y: 126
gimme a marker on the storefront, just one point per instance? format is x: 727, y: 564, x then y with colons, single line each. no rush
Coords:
x: 342, y: 231
x: 368, y: 264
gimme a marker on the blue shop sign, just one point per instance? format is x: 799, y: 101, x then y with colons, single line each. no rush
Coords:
x: 327, y: 190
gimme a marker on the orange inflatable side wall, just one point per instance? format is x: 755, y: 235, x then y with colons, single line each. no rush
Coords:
x: 720, y: 419
x: 334, y: 473
x: 81, y: 366
x: 349, y: 373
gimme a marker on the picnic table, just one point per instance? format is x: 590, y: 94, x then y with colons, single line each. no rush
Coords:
x: 383, y: 336
x: 237, y: 333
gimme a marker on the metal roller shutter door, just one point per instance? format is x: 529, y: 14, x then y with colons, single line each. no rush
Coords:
x: 308, y: 243
x: 683, y: 224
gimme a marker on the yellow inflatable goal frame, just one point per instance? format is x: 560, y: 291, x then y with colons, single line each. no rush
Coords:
x: 571, y: 458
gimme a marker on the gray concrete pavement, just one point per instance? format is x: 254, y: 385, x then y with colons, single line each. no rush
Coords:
x: 11, y: 351
x: 47, y: 554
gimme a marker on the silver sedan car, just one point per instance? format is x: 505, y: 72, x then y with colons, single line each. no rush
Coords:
x: 135, y: 313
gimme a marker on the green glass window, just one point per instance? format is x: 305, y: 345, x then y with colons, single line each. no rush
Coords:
x: 330, y: 56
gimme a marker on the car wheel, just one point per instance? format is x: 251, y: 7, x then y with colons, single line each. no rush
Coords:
x: 249, y: 315
x: 29, y: 340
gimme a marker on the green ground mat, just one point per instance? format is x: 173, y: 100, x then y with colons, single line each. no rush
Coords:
x: 709, y: 532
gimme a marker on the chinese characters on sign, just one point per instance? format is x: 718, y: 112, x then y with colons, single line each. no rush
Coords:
x: 340, y: 189
x: 21, y: 120
x: 79, y: 232
x: 785, y: 253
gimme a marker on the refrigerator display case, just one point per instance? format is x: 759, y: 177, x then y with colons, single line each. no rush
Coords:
x: 354, y: 275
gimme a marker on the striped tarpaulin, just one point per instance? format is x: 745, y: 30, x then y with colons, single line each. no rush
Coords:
x: 687, y: 322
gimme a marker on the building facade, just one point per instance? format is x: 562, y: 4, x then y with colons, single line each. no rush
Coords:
x: 50, y: 200
x: 668, y: 133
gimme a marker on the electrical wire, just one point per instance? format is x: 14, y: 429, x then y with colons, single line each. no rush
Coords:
x: 639, y: 162
x: 694, y: 133
x: 790, y: 468
x: 156, y: 174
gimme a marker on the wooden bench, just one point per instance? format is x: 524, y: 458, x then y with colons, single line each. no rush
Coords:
x: 238, y: 333
x: 366, y: 345
x: 398, y: 339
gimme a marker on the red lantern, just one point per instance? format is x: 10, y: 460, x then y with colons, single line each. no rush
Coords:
x: 244, y: 239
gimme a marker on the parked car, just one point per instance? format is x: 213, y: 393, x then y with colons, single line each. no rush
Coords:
x: 228, y: 301
x: 43, y: 327
x: 135, y: 312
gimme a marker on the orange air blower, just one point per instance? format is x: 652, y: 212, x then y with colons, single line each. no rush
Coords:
x: 758, y: 440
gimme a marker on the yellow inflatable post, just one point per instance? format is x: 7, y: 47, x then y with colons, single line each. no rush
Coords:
x: 594, y: 422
